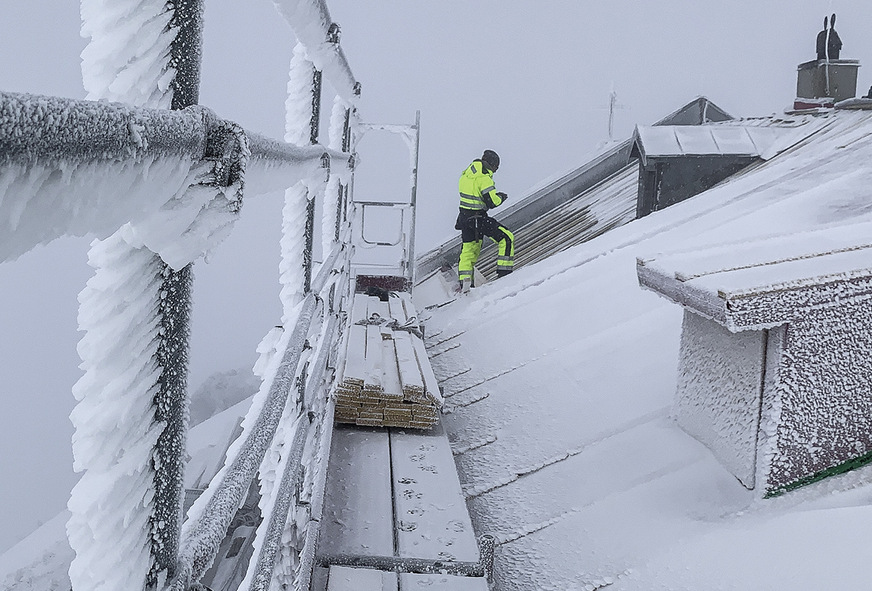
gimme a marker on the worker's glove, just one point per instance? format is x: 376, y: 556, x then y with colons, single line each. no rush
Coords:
x: 502, y: 195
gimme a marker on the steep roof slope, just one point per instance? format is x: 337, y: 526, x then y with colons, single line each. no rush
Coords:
x: 559, y: 382
x: 557, y: 213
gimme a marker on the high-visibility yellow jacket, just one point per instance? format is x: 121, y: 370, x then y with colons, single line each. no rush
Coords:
x: 477, y: 190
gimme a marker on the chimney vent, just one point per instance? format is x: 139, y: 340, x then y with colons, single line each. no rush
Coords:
x: 828, y: 79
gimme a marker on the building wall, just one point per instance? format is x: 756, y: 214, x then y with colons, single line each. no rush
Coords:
x: 667, y: 181
x: 720, y: 378
x: 823, y: 399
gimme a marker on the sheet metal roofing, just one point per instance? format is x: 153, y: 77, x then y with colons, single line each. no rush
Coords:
x: 559, y: 381
x: 703, y: 140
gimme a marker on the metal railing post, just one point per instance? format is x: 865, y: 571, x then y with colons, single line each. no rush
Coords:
x: 410, y: 265
x: 174, y: 310
x: 346, y: 144
x: 314, y: 125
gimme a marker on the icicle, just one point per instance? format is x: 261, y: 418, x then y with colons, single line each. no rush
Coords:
x: 337, y: 123
x: 293, y: 243
x: 127, y: 57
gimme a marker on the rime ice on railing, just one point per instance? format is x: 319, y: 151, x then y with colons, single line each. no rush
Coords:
x: 114, y: 449
x: 127, y: 59
x: 300, y: 112
x: 333, y: 191
x: 159, y: 188
x: 315, y: 30
x: 65, y: 180
x: 298, y: 126
x: 134, y: 55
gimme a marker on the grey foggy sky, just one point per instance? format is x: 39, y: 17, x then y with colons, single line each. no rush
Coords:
x: 529, y: 79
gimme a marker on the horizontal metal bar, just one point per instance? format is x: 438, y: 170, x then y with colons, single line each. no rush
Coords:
x: 377, y: 265
x: 405, y: 565
x: 46, y: 128
x: 401, y: 128
x: 201, y: 540
x: 72, y: 167
x: 269, y: 550
x: 382, y: 203
x: 272, y: 150
x: 53, y: 128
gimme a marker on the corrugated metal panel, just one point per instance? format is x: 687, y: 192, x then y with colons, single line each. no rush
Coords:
x: 609, y: 204
x: 550, y: 197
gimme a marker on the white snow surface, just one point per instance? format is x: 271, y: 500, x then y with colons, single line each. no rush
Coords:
x: 40, y: 561
x: 560, y: 380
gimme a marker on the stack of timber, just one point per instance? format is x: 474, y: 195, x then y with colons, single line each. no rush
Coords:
x: 387, y: 380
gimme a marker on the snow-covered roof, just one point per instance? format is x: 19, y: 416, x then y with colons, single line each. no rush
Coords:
x: 559, y: 383
x: 556, y: 213
x: 712, y: 281
x: 701, y: 140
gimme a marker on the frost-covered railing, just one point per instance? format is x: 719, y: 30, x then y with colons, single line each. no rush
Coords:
x: 285, y: 439
x: 73, y: 167
x: 316, y: 31
x: 301, y: 362
x: 159, y: 181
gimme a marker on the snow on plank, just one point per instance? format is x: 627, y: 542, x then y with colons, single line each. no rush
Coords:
x: 343, y: 578
x: 358, y: 309
x: 432, y: 519
x: 411, y: 312
x: 372, y: 386
x: 410, y: 582
x: 355, y: 353
x: 377, y: 310
x: 431, y: 384
x: 393, y: 388
x: 358, y: 515
x: 407, y: 362
x: 397, y: 311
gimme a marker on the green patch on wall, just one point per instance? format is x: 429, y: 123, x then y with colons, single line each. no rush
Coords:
x: 858, y: 462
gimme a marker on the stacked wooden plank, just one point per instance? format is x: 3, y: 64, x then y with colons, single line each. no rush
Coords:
x: 387, y: 380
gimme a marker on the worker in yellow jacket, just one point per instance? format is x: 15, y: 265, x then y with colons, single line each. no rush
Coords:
x: 477, y: 195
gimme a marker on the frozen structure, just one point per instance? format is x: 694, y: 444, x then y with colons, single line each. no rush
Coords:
x: 679, y: 161
x: 774, y: 370
x: 160, y: 181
